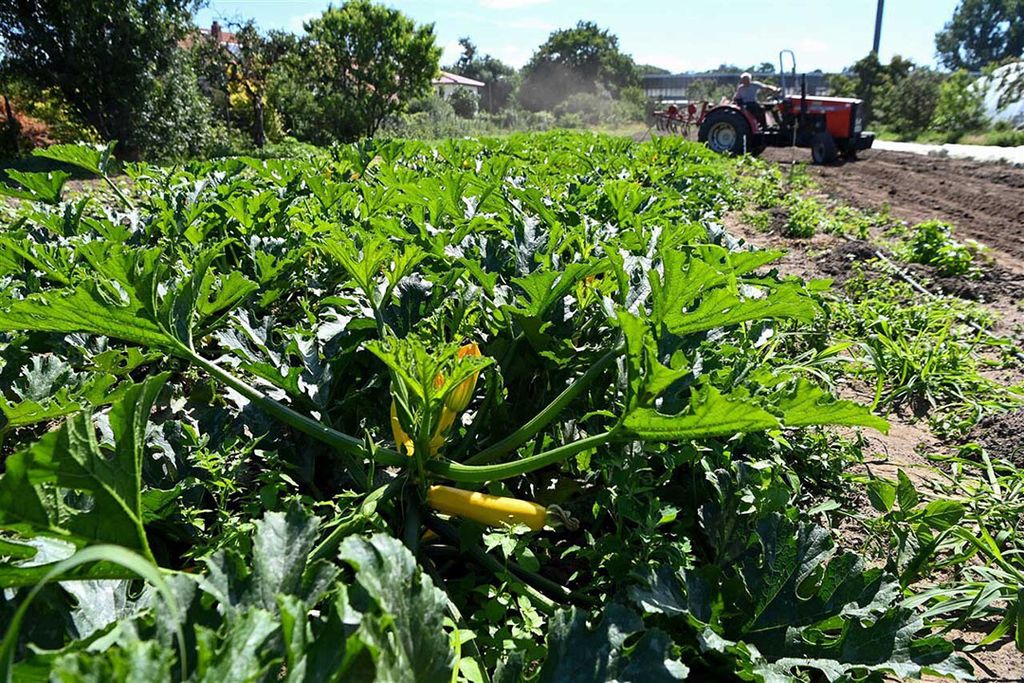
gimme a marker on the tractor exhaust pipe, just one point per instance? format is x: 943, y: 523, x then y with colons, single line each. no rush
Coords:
x: 803, y: 97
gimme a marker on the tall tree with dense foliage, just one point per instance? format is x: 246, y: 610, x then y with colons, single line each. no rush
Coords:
x: 246, y: 64
x: 905, y: 102
x: 982, y: 32
x: 499, y: 79
x: 867, y: 77
x: 113, y: 60
x: 585, y: 58
x: 899, y: 96
x: 367, y: 61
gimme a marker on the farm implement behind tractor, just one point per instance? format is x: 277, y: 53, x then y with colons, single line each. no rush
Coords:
x: 830, y: 126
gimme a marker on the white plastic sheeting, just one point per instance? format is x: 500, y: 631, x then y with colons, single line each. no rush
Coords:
x: 1005, y: 79
x: 1006, y: 155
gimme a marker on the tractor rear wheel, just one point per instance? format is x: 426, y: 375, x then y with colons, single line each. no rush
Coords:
x: 823, y: 149
x: 726, y: 131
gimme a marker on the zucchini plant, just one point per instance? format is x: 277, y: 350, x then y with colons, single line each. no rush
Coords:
x: 288, y: 364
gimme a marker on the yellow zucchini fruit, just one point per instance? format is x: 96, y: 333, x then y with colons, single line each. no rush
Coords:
x: 402, y: 440
x: 485, y: 508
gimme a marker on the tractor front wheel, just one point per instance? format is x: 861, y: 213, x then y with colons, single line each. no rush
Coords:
x: 726, y: 131
x: 823, y: 149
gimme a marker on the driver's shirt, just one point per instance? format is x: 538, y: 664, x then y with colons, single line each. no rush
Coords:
x: 748, y: 93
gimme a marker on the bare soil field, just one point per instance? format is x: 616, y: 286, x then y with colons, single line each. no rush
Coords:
x: 984, y: 201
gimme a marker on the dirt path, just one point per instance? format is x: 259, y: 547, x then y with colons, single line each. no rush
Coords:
x: 908, y: 440
x: 984, y: 201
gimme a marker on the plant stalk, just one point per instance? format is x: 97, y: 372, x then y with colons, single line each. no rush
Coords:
x: 544, y: 603
x: 120, y: 195
x: 480, y: 473
x: 549, y: 413
x: 350, y: 447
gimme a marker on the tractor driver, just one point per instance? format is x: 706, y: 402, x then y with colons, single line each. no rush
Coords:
x: 746, y: 95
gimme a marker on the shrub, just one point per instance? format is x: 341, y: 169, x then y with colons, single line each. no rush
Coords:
x: 173, y: 122
x: 464, y: 102
x: 584, y: 108
x: 44, y: 117
x: 633, y: 104
x: 905, y: 105
x: 999, y: 138
x: 289, y: 95
x: 960, y: 106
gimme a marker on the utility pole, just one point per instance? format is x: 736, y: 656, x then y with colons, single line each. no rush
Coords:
x: 878, y: 26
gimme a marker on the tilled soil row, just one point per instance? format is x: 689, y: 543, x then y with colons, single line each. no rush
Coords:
x: 984, y: 202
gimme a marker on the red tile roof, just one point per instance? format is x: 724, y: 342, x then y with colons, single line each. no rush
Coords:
x: 454, y: 79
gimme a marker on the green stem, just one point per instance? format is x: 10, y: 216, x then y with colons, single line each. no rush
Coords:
x: 454, y: 611
x: 349, y: 446
x: 353, y: 448
x: 481, y: 557
x: 350, y: 526
x: 412, y: 528
x: 329, y: 545
x: 480, y: 473
x: 484, y: 410
x: 120, y: 195
x: 549, y: 413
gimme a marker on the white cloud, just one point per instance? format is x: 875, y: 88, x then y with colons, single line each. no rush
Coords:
x: 295, y: 23
x: 510, y: 4
x: 451, y: 52
x: 514, y: 55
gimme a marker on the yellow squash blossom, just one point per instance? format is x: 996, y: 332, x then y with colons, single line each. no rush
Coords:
x: 454, y: 403
x: 458, y: 399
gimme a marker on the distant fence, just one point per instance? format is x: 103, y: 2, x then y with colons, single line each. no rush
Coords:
x: 676, y: 86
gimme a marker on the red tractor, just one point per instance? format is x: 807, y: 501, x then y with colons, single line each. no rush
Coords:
x: 830, y: 126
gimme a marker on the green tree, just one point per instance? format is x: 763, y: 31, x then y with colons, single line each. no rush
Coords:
x: 247, y: 64
x: 367, y: 61
x: 982, y: 32
x: 906, y: 101
x: 499, y: 79
x: 960, y: 107
x: 464, y: 102
x: 109, y: 58
x: 650, y: 69
x: 867, y: 77
x: 293, y: 96
x: 585, y: 58
x: 709, y: 90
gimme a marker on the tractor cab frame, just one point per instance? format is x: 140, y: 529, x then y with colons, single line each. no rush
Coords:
x: 828, y: 126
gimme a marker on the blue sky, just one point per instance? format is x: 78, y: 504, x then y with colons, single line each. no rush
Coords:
x: 675, y: 34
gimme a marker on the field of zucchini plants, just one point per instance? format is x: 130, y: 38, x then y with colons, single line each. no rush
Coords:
x: 483, y: 410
